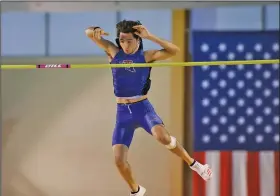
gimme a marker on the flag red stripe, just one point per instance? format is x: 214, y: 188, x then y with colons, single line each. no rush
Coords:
x: 253, y: 174
x: 226, y: 173
x: 199, y: 187
x: 276, y: 166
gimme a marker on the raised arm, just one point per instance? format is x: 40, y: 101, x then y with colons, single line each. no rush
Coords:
x: 95, y: 34
x: 168, y: 49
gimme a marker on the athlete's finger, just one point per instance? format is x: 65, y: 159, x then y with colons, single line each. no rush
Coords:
x: 104, y: 33
x: 137, y: 26
x: 137, y: 33
x: 99, y: 34
x: 94, y: 34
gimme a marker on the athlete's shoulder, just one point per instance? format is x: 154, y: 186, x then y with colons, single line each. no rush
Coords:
x: 119, y: 53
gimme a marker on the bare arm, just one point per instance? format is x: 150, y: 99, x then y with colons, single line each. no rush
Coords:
x: 96, y: 36
x: 168, y: 50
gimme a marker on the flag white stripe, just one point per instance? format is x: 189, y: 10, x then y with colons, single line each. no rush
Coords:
x: 239, y: 172
x: 212, y: 186
x: 267, y: 184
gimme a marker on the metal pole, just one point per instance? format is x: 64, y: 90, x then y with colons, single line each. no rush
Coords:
x: 47, y: 34
x: 263, y: 17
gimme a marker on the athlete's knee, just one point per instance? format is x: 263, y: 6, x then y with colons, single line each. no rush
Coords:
x: 172, y: 144
x: 161, y: 135
x: 120, y: 162
x: 120, y: 155
x: 162, y: 138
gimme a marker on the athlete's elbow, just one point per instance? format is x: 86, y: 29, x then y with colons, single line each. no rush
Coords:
x: 175, y: 51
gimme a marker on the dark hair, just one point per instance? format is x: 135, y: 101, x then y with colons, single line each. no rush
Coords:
x: 125, y: 26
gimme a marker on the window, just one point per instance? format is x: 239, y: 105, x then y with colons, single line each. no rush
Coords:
x: 67, y: 32
x: 203, y: 19
x: 227, y: 18
x: 23, y: 34
x: 239, y: 18
x: 272, y: 17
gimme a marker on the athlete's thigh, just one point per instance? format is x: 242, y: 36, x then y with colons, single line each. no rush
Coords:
x: 124, y: 130
x: 149, y: 118
x: 123, y: 134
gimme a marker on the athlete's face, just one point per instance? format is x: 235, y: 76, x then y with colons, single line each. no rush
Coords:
x: 128, y: 43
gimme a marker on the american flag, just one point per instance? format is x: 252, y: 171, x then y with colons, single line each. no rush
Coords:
x: 236, y: 114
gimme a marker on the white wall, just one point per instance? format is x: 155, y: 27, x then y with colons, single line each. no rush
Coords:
x: 57, y: 135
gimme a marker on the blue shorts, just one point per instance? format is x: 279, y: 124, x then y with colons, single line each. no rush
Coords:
x: 132, y: 116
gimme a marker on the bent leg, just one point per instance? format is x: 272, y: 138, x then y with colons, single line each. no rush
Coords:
x: 153, y: 124
x: 122, y: 138
x: 162, y: 135
x: 120, y: 152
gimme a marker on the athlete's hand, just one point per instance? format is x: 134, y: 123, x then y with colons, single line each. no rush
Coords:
x: 95, y: 33
x: 142, y: 31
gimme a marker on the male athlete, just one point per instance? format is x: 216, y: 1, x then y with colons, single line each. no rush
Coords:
x: 131, y: 86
